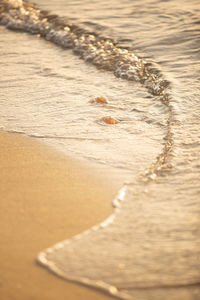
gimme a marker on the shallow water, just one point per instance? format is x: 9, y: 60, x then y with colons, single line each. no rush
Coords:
x: 150, y: 247
x: 53, y: 100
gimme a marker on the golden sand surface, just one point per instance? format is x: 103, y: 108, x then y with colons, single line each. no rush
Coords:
x: 45, y: 197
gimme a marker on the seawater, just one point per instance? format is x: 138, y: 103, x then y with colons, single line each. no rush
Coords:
x: 144, y: 58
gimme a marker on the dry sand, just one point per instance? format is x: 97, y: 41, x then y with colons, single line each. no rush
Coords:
x: 45, y: 197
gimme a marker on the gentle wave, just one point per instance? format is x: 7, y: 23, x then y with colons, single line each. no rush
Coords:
x: 101, y: 52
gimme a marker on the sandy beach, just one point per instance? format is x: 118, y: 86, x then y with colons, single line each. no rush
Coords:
x: 45, y: 198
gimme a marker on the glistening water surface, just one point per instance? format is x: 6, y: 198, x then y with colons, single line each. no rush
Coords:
x: 144, y: 58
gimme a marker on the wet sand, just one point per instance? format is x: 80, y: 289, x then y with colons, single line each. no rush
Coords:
x: 45, y: 198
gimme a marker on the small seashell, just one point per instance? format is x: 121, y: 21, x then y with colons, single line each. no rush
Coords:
x: 101, y: 99
x: 109, y: 120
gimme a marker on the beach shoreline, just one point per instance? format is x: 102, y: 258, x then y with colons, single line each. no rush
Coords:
x: 46, y: 197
